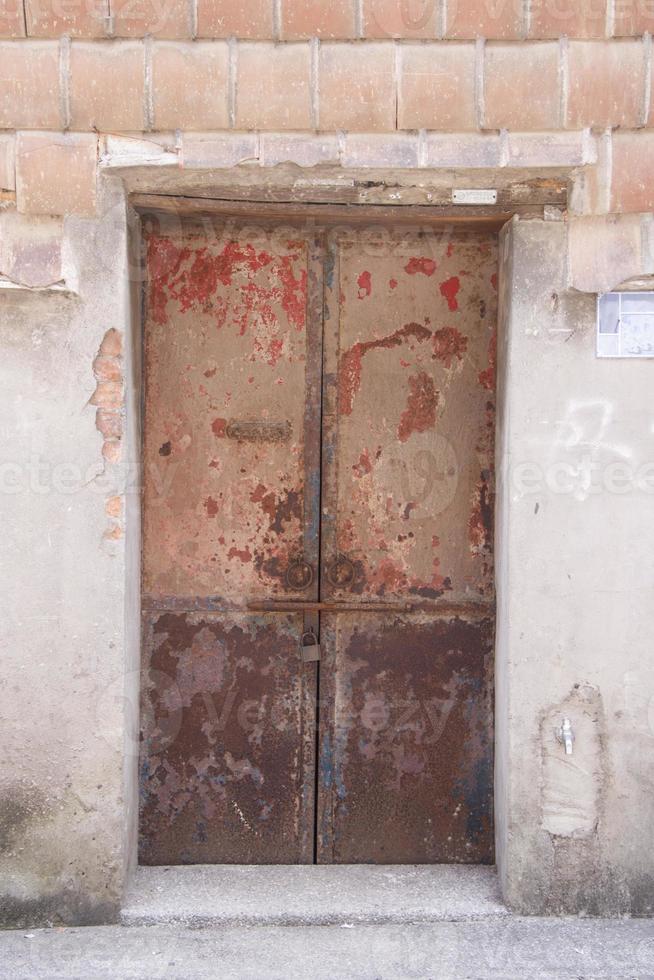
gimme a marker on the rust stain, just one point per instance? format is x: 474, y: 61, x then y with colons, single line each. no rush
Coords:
x: 420, y: 412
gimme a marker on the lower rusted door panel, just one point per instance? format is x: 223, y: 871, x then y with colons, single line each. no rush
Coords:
x: 227, y: 738
x: 406, y: 757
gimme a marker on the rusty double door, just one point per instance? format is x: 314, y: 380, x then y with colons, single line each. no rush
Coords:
x: 318, y: 483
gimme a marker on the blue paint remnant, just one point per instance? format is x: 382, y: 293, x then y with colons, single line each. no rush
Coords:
x: 330, y: 262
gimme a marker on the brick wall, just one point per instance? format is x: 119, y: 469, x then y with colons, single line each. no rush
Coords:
x: 82, y: 68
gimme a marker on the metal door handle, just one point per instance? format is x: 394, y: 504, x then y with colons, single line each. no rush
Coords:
x: 341, y: 572
x: 299, y: 575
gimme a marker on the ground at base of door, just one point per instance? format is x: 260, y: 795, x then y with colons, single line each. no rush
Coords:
x: 302, y: 895
x: 492, y: 948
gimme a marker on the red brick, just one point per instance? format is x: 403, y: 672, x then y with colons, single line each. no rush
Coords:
x: 112, y: 452
x: 521, y: 86
x: 318, y: 18
x: 112, y: 343
x: 273, y: 89
x: 437, y: 87
x: 190, y: 85
x: 78, y: 18
x: 107, y: 86
x: 400, y: 18
x: 56, y: 173
x: 632, y: 179
x: 606, y: 83
x: 161, y: 18
x: 633, y: 17
x: 29, y: 85
x: 357, y: 87
x: 494, y: 19
x: 229, y: 18
x: 108, y: 394
x: 109, y: 423
x: 570, y: 18
x: 12, y: 22
x: 107, y: 368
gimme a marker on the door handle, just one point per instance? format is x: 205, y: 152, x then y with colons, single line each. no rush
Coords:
x: 299, y: 575
x: 341, y: 572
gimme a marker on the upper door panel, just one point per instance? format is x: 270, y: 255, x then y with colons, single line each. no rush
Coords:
x: 230, y: 448
x: 410, y: 340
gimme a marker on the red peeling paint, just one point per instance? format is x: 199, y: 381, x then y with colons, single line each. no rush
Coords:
x: 275, y: 350
x: 218, y: 427
x: 243, y: 556
x: 350, y: 366
x: 449, y: 290
x: 364, y: 465
x: 494, y: 280
x: 364, y: 282
x: 426, y: 266
x: 393, y: 283
x: 450, y: 249
x: 211, y: 507
x: 420, y: 412
x: 449, y: 343
x: 210, y: 372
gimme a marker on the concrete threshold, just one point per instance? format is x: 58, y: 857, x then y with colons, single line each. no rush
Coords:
x: 272, y: 895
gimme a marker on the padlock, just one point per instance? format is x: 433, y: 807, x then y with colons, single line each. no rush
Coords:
x: 310, y: 647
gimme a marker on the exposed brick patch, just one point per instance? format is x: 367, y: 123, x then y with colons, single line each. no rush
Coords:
x: 400, y: 18
x: 227, y: 18
x: 160, y: 18
x: 189, y: 82
x: 108, y: 394
x: 632, y: 184
x: 273, y: 89
x: 500, y: 20
x: 29, y: 85
x: 357, y: 87
x: 521, y: 86
x: 437, y: 87
x: 80, y: 18
x: 606, y: 83
x: 107, y: 86
x: 569, y: 18
x: 56, y: 173
x: 330, y: 20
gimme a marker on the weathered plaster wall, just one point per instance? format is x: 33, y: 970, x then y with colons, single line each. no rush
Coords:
x: 575, y: 571
x: 63, y: 596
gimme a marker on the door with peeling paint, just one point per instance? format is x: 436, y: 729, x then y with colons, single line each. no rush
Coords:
x: 318, y: 441
x: 406, y: 713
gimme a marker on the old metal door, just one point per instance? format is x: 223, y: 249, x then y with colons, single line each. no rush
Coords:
x: 380, y: 542
x: 408, y: 420
x: 231, y: 511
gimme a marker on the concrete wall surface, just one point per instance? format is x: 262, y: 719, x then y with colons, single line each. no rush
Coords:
x: 575, y: 571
